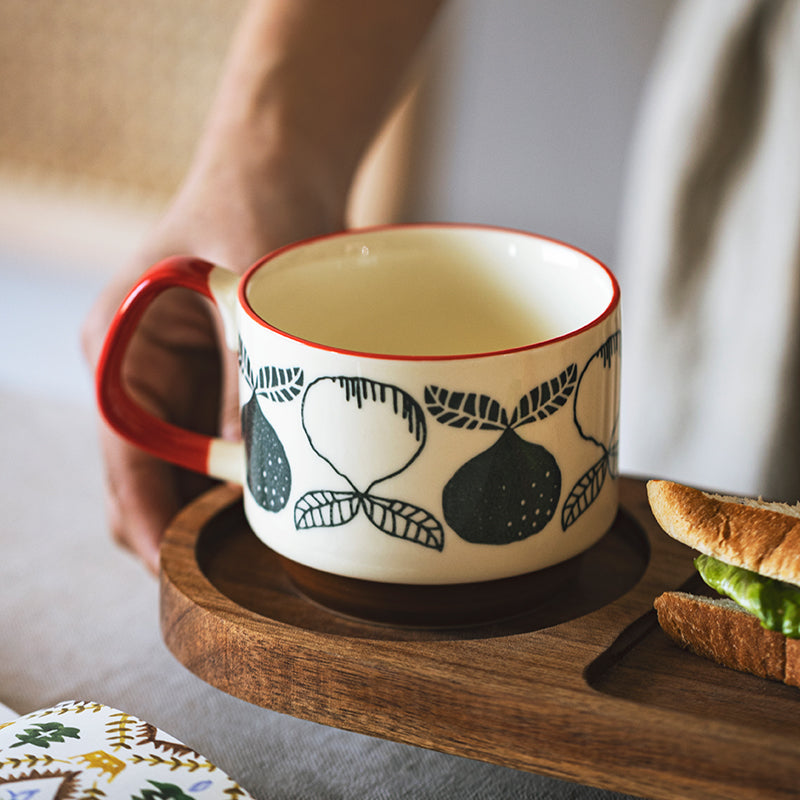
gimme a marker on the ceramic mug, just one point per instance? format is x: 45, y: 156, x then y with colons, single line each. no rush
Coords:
x: 421, y: 405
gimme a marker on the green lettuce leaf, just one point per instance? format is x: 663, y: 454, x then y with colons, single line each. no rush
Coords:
x: 775, y: 603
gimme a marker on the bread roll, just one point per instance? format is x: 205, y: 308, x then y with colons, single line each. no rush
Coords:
x: 724, y: 632
x: 759, y: 536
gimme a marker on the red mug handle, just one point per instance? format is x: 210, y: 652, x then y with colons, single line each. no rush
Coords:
x: 195, y: 451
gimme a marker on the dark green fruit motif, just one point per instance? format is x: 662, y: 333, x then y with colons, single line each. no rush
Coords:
x: 505, y: 494
x: 510, y: 491
x: 269, y: 477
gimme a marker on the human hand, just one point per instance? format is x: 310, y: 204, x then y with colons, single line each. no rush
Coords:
x: 177, y: 365
x: 306, y: 86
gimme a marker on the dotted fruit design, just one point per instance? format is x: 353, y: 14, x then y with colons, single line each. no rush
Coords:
x: 367, y: 432
x: 269, y: 476
x: 598, y: 423
x: 510, y: 491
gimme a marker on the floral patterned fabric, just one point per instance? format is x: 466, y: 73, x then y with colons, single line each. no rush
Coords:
x: 85, y: 750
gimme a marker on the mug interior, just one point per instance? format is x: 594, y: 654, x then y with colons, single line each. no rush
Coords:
x: 429, y: 291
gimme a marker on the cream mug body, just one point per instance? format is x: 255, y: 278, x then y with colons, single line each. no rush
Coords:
x: 423, y: 404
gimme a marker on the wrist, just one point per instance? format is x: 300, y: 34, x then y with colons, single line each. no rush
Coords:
x: 259, y: 144
x: 246, y: 194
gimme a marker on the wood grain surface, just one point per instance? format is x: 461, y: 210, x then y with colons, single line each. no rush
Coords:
x: 583, y: 687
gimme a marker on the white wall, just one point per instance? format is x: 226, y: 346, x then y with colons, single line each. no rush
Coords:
x: 529, y: 113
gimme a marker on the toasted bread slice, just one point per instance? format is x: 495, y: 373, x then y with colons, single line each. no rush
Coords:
x: 759, y: 536
x: 720, y: 630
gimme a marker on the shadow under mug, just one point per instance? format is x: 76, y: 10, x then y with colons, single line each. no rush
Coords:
x: 429, y: 413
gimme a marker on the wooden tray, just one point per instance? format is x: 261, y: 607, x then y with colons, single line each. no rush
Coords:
x: 585, y: 687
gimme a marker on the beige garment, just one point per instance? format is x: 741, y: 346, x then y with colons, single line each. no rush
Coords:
x: 709, y: 254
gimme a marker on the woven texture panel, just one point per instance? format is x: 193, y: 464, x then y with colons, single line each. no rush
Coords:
x: 108, y: 94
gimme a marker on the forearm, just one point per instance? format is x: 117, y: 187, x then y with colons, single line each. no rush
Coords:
x: 308, y: 83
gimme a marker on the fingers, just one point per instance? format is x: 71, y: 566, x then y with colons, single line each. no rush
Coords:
x: 139, y: 495
x: 176, y: 366
x: 171, y: 370
x: 142, y: 497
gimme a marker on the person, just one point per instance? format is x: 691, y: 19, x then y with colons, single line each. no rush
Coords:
x: 303, y: 92
x: 708, y: 248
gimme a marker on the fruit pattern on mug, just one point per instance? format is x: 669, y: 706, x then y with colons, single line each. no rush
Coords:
x: 504, y: 494
x: 594, y: 425
x: 510, y: 491
x: 375, y: 410
x: 269, y: 476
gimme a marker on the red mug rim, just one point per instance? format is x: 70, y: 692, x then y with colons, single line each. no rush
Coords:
x: 245, y: 303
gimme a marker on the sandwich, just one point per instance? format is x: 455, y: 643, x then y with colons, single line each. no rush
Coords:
x: 750, y: 555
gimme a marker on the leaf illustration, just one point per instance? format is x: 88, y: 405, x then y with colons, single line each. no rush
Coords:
x: 546, y: 398
x: 163, y: 791
x: 404, y: 521
x: 585, y: 492
x: 324, y: 509
x: 465, y: 409
x: 280, y: 385
x: 41, y: 734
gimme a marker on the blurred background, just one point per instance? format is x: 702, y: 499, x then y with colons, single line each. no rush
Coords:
x: 100, y: 106
x: 521, y: 115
